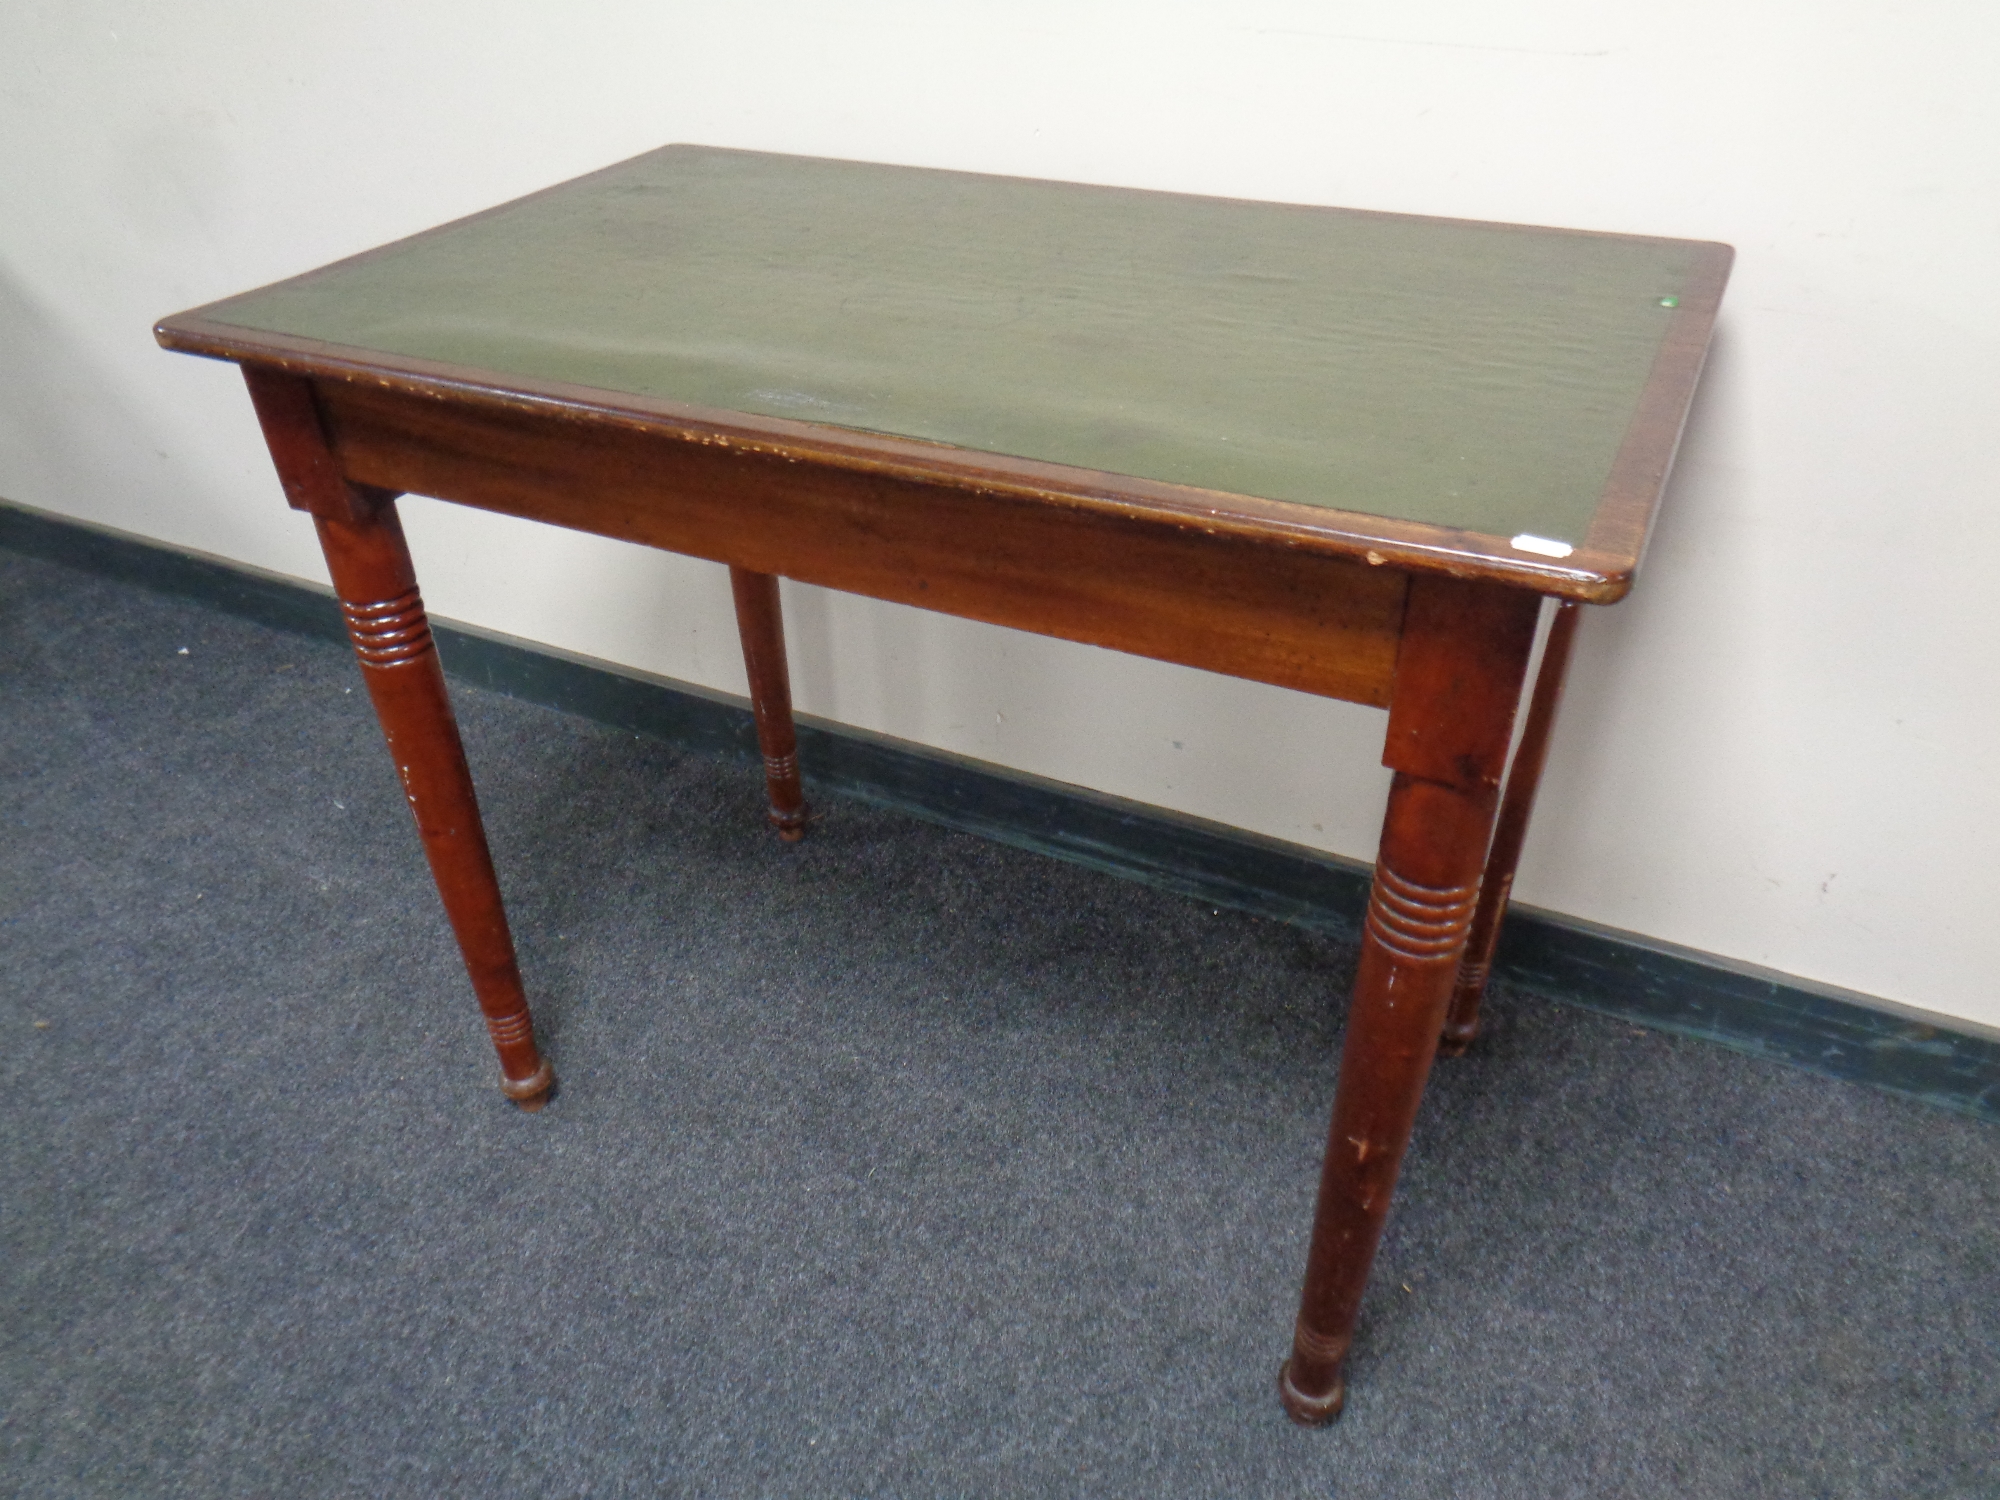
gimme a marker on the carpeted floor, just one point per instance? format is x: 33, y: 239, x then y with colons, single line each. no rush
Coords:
x: 894, y: 1164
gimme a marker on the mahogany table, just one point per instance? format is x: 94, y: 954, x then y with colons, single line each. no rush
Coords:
x: 1348, y: 453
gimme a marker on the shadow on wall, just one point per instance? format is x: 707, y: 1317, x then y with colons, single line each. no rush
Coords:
x: 72, y: 442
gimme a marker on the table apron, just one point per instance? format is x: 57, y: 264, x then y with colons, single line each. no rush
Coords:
x: 1263, y: 609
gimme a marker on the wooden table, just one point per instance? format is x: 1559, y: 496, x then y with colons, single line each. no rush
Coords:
x: 1348, y: 453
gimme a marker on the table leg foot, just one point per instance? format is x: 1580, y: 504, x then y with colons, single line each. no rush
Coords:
x: 1311, y: 1410
x: 531, y: 1093
x: 789, y: 813
x: 1461, y: 1026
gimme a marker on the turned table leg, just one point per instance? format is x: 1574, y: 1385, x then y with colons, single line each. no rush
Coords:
x: 760, y: 622
x: 1516, y: 804
x: 362, y: 538
x: 1458, y: 678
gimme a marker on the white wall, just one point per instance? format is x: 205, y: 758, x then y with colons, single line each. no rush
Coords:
x: 1782, y: 748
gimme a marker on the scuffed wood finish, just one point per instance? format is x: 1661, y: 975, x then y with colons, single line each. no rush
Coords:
x: 377, y: 587
x: 760, y: 621
x: 1465, y: 652
x: 1509, y: 834
x: 1260, y: 608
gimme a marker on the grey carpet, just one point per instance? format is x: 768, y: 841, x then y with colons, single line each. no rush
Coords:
x: 894, y: 1164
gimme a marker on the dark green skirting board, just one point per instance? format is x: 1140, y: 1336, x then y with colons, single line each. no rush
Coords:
x: 1943, y: 1061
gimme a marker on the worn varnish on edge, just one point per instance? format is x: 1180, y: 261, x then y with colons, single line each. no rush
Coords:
x: 1599, y: 570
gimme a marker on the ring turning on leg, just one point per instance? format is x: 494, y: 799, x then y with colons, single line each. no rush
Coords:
x: 377, y: 587
x: 392, y: 638
x: 1458, y: 677
x: 1409, y: 955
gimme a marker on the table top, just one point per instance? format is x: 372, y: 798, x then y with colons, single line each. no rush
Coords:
x: 1499, y: 393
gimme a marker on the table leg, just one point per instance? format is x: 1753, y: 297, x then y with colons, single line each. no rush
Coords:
x: 1458, y: 679
x: 377, y: 586
x: 1462, y: 1025
x: 760, y: 622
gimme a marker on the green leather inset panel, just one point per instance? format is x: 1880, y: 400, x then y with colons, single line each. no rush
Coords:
x: 1469, y: 375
